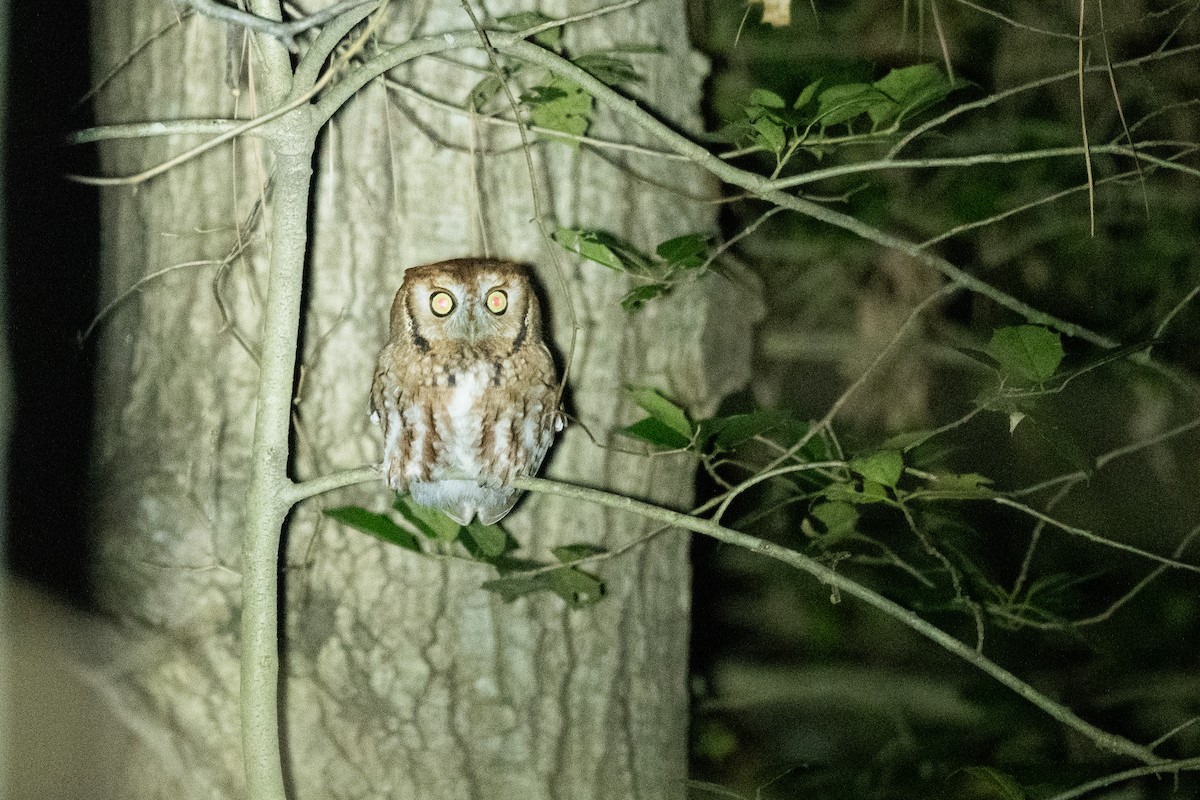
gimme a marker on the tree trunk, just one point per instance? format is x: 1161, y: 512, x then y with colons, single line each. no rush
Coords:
x: 403, y: 677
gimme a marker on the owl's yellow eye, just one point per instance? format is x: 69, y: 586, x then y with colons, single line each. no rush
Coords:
x: 441, y: 303
x: 497, y: 301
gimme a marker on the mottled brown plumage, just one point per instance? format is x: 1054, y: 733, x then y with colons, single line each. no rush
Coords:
x: 465, y: 389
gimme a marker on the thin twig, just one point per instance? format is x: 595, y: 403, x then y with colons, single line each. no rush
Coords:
x: 1116, y: 605
x: 1091, y: 537
x: 1110, y: 456
x: 1035, y: 537
x: 1014, y: 23
x: 1182, y: 765
x: 882, y: 355
x: 580, y: 17
x: 136, y: 50
x: 539, y: 212
x: 487, y: 119
x: 138, y: 284
x: 885, y: 164
x: 1025, y: 87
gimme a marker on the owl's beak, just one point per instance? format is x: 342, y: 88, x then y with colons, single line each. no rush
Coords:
x: 475, y: 327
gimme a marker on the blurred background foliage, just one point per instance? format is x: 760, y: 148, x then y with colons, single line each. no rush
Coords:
x: 799, y: 696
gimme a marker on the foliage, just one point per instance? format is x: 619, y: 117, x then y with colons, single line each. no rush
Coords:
x: 489, y: 544
x: 1004, y: 523
x: 674, y: 261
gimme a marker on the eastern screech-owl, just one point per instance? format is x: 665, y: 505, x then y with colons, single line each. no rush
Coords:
x: 465, y: 389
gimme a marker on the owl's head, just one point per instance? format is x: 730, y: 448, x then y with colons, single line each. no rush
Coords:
x: 467, y: 300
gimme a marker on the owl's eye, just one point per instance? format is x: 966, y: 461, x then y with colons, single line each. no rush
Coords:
x: 497, y: 301
x: 441, y: 303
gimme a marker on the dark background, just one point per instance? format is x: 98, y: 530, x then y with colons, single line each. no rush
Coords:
x: 52, y: 229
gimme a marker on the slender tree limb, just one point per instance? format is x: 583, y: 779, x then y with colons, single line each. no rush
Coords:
x: 760, y: 186
x: 1133, y: 152
x: 309, y: 67
x: 268, y: 499
x: 327, y: 483
x: 372, y: 68
x: 1102, y: 739
x: 133, y: 53
x: 1015, y: 23
x: 276, y: 62
x: 285, y: 32
x: 200, y: 149
x: 1183, y: 765
x: 145, y: 130
x: 602, y: 144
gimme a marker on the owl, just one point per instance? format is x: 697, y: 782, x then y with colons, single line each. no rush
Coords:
x: 465, y: 390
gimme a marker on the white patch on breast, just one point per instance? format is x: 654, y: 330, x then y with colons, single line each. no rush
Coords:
x: 465, y: 421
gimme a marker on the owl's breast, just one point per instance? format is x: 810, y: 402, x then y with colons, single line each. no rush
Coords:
x: 460, y: 427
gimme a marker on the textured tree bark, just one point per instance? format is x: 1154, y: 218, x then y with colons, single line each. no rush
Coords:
x: 403, y: 677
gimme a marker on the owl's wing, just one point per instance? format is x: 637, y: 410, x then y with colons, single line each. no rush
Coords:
x: 385, y: 387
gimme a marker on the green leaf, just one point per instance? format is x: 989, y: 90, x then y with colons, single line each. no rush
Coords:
x: 658, y: 434
x: 970, y: 482
x: 687, y: 251
x: 592, y: 245
x: 1028, y: 353
x: 380, y: 526
x: 483, y: 92
x: 490, y: 541
x: 429, y: 521
x: 512, y: 588
x: 766, y: 99
x: 807, y: 95
x: 833, y: 520
x: 574, y: 552
x: 725, y: 433
x: 843, y: 103
x: 605, y: 249
x: 660, y: 408
x: 576, y: 587
x: 769, y: 134
x: 985, y: 783
x: 611, y: 69
x: 525, y: 20
x: 914, y: 88
x: 561, y: 105
x: 638, y: 297
x: 870, y: 492
x: 884, y: 467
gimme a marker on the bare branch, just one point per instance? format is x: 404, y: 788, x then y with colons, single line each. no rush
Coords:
x: 285, y: 32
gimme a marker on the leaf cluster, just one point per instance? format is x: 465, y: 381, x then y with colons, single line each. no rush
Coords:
x: 425, y: 530
x: 552, y: 102
x: 850, y: 505
x: 777, y: 126
x: 674, y: 261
